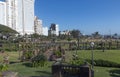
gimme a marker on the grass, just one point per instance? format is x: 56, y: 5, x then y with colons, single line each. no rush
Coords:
x: 12, y: 55
x: 24, y: 70
x: 109, y: 55
x: 106, y: 72
x: 46, y: 71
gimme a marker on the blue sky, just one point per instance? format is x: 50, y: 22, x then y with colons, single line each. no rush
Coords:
x: 86, y: 15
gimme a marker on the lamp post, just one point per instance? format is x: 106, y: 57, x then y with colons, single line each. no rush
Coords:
x: 78, y: 41
x: 92, y: 71
x: 92, y: 45
x: 19, y: 50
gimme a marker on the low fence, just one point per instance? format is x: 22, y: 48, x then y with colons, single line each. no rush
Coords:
x: 108, y: 45
x: 99, y: 45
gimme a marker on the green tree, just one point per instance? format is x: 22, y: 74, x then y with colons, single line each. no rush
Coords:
x: 75, y: 33
x: 35, y: 35
x: 96, y: 34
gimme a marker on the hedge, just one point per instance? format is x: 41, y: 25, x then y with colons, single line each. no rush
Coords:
x: 104, y: 63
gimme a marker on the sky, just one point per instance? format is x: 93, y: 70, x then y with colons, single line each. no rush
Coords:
x: 88, y: 16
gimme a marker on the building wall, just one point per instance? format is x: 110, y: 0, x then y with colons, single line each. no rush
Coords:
x: 28, y: 16
x: 11, y: 10
x: 19, y: 26
x: 2, y: 13
x: 18, y: 15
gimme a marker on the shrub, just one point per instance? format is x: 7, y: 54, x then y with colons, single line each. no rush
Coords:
x: 76, y: 60
x: 58, y: 53
x: 105, y: 63
x: 28, y: 54
x: 7, y: 49
x: 39, y: 60
x: 3, y: 67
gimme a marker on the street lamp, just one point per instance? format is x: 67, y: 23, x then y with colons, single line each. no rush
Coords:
x: 19, y: 50
x: 92, y: 71
x: 78, y: 41
x: 92, y: 45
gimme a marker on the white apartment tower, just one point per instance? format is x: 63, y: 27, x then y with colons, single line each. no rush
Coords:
x: 28, y: 12
x: 11, y: 13
x: 57, y: 29
x: 45, y: 31
x: 38, y: 26
x: 18, y: 15
x: 3, y: 13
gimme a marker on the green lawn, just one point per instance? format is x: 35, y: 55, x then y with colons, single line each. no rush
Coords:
x: 107, y: 72
x: 30, y: 71
x: 46, y: 71
x: 111, y: 55
x: 22, y: 67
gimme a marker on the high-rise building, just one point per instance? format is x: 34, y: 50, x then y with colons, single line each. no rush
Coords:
x: 11, y: 13
x: 18, y: 15
x: 57, y: 29
x: 45, y: 31
x: 3, y: 13
x: 28, y: 16
x: 38, y: 26
x: 54, y: 30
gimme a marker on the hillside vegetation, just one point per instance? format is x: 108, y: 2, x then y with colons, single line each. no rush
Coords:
x: 5, y: 30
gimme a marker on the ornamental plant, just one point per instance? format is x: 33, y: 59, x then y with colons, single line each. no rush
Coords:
x: 28, y: 55
x: 76, y: 60
x: 58, y: 54
x: 3, y: 67
x: 39, y: 60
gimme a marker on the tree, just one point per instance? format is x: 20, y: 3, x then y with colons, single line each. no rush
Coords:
x: 115, y: 36
x: 96, y: 34
x: 35, y: 35
x: 75, y: 33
